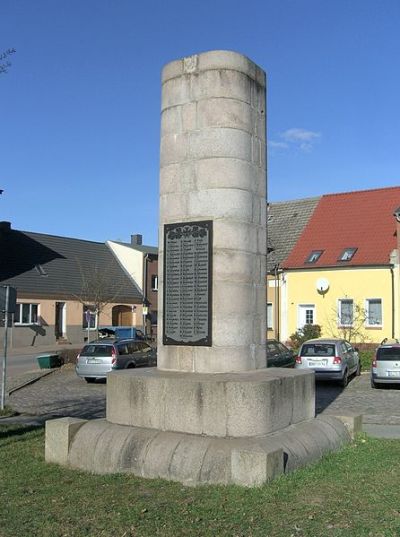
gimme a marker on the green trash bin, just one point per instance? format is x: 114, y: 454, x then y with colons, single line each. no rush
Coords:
x: 48, y: 361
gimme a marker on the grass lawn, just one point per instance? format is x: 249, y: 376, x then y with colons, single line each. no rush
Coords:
x: 355, y: 492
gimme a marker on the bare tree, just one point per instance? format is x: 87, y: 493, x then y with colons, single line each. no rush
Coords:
x: 96, y: 289
x: 5, y: 63
x: 351, y: 326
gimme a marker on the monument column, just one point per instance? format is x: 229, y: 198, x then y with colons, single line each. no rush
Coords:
x: 212, y: 245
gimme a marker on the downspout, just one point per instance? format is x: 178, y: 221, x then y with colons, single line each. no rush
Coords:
x: 393, y: 309
x: 277, y: 303
x: 145, y: 302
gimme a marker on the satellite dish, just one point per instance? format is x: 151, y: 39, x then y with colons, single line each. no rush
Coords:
x: 322, y: 285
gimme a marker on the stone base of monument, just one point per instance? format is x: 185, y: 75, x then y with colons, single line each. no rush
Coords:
x: 241, y: 428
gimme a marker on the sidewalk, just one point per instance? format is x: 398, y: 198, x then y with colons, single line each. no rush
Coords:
x: 41, y: 349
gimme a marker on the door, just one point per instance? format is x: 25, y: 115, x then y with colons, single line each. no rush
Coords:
x: 306, y: 315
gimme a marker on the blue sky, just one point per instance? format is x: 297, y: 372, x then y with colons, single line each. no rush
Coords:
x: 80, y: 104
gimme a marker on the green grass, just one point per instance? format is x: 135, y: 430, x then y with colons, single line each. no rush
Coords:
x: 7, y: 412
x: 355, y: 492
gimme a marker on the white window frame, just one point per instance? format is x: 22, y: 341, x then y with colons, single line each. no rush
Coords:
x: 270, y: 308
x: 155, y: 286
x: 90, y: 307
x: 30, y: 323
x: 300, y: 308
x: 339, y: 312
x: 367, y: 323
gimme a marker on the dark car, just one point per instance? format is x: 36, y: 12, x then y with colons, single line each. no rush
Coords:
x: 102, y: 356
x: 278, y: 355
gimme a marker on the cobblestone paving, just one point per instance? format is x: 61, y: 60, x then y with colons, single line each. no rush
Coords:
x: 381, y: 406
x: 62, y: 393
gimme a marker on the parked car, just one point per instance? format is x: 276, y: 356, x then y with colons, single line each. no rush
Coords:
x: 331, y: 359
x: 386, y: 365
x: 278, y: 355
x: 99, y: 357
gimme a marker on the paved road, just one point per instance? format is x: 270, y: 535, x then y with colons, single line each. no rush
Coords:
x: 62, y: 393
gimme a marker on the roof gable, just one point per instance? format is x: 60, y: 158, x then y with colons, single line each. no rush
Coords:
x: 360, y: 220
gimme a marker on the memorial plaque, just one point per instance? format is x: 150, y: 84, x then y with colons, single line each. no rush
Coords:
x: 187, y: 283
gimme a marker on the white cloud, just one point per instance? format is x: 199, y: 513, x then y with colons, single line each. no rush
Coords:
x: 301, y: 138
x: 277, y: 145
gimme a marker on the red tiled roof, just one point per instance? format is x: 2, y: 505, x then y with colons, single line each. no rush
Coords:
x: 362, y: 220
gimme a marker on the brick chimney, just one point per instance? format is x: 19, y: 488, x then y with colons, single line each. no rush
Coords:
x: 5, y: 227
x: 136, y: 240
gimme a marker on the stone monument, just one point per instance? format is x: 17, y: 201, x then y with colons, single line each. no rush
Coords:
x: 211, y: 412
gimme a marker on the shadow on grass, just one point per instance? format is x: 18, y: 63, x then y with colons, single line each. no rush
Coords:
x: 9, y: 431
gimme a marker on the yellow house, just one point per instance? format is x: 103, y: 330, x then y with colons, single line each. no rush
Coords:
x: 343, y: 271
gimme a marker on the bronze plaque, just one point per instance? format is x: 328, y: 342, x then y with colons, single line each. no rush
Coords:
x: 187, y: 283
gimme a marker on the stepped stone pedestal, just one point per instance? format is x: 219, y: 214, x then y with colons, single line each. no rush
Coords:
x: 211, y: 412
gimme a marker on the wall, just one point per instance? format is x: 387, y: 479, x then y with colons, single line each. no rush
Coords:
x: 44, y: 333
x: 358, y: 284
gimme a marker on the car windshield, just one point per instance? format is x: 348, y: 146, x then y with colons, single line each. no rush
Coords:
x: 318, y: 349
x: 388, y: 353
x: 98, y: 350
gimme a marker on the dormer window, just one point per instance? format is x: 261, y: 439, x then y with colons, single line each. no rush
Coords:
x: 314, y: 256
x: 347, y: 254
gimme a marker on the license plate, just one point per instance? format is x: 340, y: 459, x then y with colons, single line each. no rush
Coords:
x: 317, y: 363
x: 93, y: 361
x: 393, y: 373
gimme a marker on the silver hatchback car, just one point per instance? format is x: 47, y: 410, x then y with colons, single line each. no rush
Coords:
x: 386, y: 365
x: 99, y: 357
x: 331, y: 359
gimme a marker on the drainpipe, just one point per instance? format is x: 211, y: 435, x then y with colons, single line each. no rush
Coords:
x: 393, y: 308
x: 145, y: 301
x: 277, y: 303
x: 396, y: 214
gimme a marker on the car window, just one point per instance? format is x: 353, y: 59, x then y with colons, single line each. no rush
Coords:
x: 122, y: 349
x: 282, y: 347
x: 388, y: 353
x: 133, y: 346
x: 272, y: 348
x: 318, y: 349
x: 98, y: 350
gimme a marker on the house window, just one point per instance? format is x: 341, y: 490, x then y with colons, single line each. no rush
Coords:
x: 345, y: 312
x: 89, y: 317
x: 269, y: 316
x: 306, y: 315
x: 154, y: 282
x: 314, y: 256
x: 26, y: 314
x: 347, y: 254
x: 374, y: 312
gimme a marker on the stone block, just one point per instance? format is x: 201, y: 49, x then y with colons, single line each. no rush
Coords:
x: 59, y: 435
x: 225, y: 83
x: 244, y: 404
x: 226, y: 173
x: 253, y: 468
x: 174, y: 148
x: 229, y: 113
x: 235, y: 236
x: 353, y: 422
x: 219, y: 143
x: 177, y: 178
x: 176, y: 91
x: 231, y: 204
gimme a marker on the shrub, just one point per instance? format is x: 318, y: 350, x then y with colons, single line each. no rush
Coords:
x: 309, y: 331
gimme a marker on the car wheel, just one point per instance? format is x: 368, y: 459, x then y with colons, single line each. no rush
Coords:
x: 131, y: 366
x: 374, y: 384
x: 345, y: 379
x: 90, y: 380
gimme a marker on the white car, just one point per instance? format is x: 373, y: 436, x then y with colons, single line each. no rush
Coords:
x: 386, y: 365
